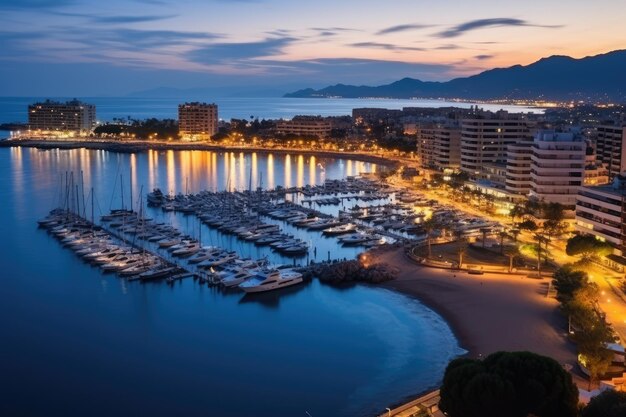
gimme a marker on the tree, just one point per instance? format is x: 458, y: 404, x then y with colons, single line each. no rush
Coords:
x: 461, y: 242
x: 430, y: 226
x: 587, y: 246
x: 517, y: 211
x: 554, y: 229
x: 608, y: 403
x: 502, y: 235
x: 484, y: 231
x: 567, y: 281
x: 540, y: 240
x: 511, y: 384
x: 512, y: 253
x: 592, y: 340
x: 529, y: 225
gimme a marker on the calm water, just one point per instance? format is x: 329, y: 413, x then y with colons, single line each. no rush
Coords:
x: 14, y: 109
x: 77, y: 342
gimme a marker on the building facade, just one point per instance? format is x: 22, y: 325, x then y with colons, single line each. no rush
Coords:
x: 557, y: 167
x: 485, y: 138
x: 518, y: 160
x: 610, y: 148
x: 71, y: 116
x: 305, y: 126
x: 439, y: 146
x: 197, y: 121
x: 601, y: 212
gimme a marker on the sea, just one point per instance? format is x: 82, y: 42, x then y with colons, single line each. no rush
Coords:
x: 14, y: 109
x: 77, y: 342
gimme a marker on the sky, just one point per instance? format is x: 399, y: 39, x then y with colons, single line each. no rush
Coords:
x: 118, y: 47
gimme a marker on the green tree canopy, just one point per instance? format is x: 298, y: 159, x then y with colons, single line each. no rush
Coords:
x: 511, y: 384
x: 528, y: 225
x: 608, y: 404
x: 567, y: 281
x: 587, y: 246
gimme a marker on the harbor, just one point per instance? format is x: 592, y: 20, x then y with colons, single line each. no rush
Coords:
x: 186, y: 322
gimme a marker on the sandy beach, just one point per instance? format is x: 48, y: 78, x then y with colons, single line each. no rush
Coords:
x: 489, y: 312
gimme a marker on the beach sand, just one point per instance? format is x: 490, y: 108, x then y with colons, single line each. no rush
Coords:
x: 487, y: 313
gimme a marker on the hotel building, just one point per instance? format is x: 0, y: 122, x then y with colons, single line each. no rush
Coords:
x: 197, y: 121
x: 71, y: 116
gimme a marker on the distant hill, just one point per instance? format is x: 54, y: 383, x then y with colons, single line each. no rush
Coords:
x: 598, y: 78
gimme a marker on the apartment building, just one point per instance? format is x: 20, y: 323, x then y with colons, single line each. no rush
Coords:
x: 518, y: 161
x: 610, y: 148
x: 305, y: 126
x: 557, y: 167
x: 601, y: 212
x: 439, y: 145
x: 197, y: 121
x: 70, y: 116
x: 485, y: 138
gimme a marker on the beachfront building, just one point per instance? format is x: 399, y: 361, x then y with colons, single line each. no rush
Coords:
x: 69, y: 116
x: 439, y: 146
x: 518, y: 160
x: 557, y: 167
x: 305, y: 126
x: 197, y: 121
x: 485, y: 137
x: 610, y: 147
x: 601, y: 212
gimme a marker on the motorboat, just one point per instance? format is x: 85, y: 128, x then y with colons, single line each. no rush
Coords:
x: 271, y: 280
x: 233, y: 278
x: 340, y: 230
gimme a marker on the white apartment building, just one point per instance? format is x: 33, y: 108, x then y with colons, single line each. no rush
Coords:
x: 72, y: 115
x: 557, y: 167
x: 610, y: 148
x: 485, y: 139
x: 599, y: 212
x: 518, y: 161
x: 197, y: 121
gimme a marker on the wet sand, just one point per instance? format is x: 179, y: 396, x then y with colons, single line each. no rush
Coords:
x: 490, y: 312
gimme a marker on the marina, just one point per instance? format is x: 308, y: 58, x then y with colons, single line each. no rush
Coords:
x: 186, y: 322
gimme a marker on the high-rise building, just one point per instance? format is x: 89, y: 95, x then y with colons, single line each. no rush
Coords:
x: 439, y: 145
x: 557, y: 167
x: 611, y: 149
x: 197, y: 121
x: 485, y: 138
x: 73, y: 116
x: 518, y: 160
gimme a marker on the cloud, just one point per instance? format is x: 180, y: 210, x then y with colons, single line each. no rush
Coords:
x: 447, y: 47
x: 387, y: 46
x: 402, y: 28
x: 122, y: 19
x: 483, y: 57
x: 34, y: 4
x: 485, y: 23
x: 221, y: 52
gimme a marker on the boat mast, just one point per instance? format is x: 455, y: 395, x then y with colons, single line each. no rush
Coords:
x: 130, y: 183
x: 122, y: 189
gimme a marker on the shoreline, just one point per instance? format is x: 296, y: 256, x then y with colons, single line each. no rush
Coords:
x: 143, y: 146
x: 486, y: 313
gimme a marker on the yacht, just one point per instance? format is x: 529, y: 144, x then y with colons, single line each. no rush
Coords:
x: 340, y: 230
x: 233, y: 278
x: 272, y: 280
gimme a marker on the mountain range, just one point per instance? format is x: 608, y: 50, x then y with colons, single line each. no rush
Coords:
x: 594, y: 78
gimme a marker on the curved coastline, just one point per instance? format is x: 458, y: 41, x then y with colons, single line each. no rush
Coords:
x: 143, y: 146
x: 487, y: 313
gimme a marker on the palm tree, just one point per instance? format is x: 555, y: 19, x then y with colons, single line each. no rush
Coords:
x: 429, y: 226
x: 512, y: 253
x: 484, y: 231
x: 502, y: 235
x: 461, y: 242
